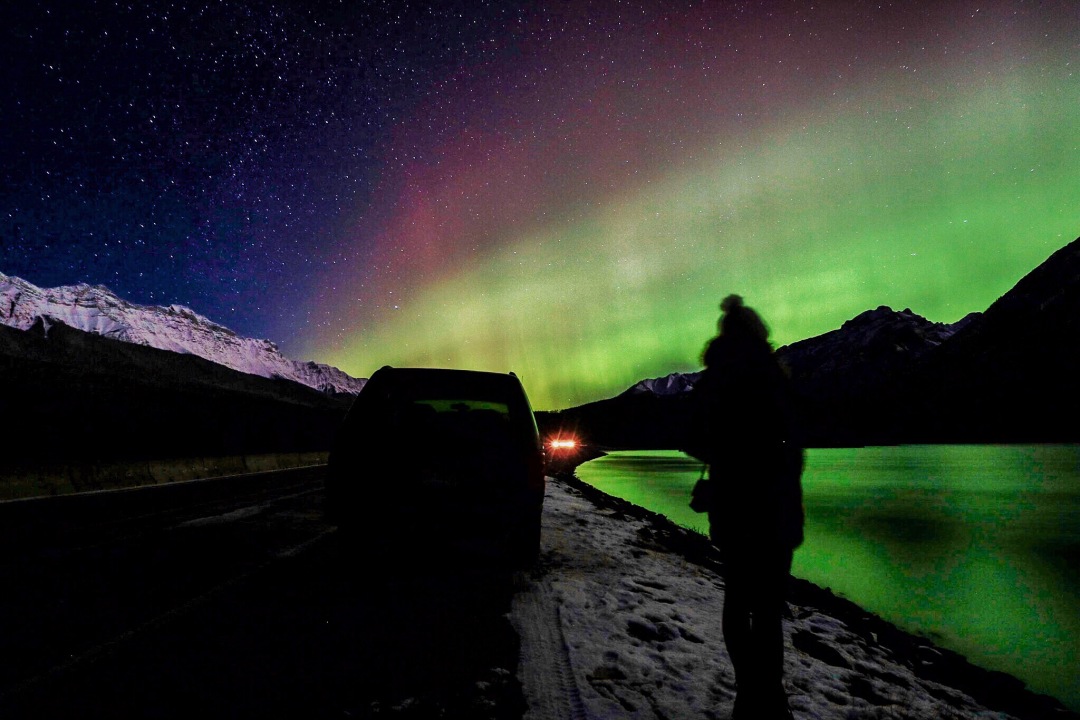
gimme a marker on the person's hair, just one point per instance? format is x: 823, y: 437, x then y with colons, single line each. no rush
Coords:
x: 738, y: 320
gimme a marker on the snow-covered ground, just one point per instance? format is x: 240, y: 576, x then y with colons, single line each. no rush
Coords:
x: 616, y: 624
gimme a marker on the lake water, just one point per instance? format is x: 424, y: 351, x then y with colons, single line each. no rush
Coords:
x: 976, y: 547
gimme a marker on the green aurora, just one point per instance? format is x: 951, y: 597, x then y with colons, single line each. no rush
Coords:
x: 931, y: 195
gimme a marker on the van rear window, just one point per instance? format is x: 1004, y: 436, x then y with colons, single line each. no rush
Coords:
x: 444, y: 405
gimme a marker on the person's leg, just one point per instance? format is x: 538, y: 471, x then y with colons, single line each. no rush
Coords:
x: 738, y: 636
x: 767, y: 636
x: 736, y: 626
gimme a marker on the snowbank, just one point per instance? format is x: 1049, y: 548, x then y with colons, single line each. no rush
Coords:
x: 622, y: 619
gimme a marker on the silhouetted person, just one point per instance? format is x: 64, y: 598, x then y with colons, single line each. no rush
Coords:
x: 744, y: 429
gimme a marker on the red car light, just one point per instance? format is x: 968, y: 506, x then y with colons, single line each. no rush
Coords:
x: 563, y: 444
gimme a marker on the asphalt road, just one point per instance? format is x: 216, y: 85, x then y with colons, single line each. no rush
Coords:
x: 234, y: 598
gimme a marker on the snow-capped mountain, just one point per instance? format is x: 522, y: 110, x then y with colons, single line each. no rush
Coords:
x: 674, y: 384
x: 96, y: 309
x: 870, y: 345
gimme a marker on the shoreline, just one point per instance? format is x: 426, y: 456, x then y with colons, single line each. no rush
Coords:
x: 993, y: 689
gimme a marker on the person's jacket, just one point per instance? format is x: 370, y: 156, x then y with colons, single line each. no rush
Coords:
x: 743, y: 425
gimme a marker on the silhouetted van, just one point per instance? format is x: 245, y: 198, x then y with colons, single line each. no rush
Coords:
x: 431, y: 460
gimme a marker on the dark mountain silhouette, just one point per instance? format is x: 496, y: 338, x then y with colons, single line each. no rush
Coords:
x: 1009, y: 374
x: 866, y: 348
x: 68, y: 395
x: 841, y: 376
x: 1015, y: 374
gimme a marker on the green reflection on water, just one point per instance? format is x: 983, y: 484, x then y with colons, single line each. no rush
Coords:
x: 977, y: 547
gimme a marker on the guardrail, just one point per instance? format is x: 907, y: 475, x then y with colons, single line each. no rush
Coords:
x: 52, y: 480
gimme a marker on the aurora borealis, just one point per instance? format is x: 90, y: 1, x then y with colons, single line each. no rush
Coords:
x: 565, y: 190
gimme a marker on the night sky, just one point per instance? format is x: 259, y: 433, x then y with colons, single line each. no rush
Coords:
x: 562, y: 189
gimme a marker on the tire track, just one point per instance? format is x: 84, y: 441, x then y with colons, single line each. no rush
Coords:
x: 546, y: 673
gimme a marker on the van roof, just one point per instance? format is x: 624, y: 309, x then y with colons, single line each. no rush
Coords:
x: 424, y: 379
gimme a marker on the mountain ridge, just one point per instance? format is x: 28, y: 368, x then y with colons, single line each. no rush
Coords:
x: 1007, y: 374
x: 176, y: 328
